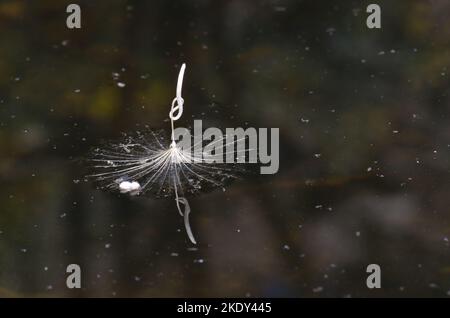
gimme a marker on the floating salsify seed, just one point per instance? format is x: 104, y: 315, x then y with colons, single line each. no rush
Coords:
x: 149, y: 164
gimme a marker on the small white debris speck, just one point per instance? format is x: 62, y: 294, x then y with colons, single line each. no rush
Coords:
x: 126, y: 186
x: 318, y: 289
x: 433, y: 285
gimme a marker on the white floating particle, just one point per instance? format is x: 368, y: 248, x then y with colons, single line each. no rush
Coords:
x: 121, y: 84
x: 318, y: 289
x: 330, y: 31
x: 127, y: 186
x: 279, y: 8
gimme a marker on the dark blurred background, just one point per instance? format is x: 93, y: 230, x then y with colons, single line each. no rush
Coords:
x: 364, y: 147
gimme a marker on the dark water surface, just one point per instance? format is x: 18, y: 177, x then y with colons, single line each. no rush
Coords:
x: 364, y: 147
